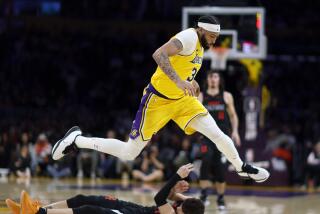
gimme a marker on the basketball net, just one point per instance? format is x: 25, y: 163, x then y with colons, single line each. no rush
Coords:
x: 219, y: 57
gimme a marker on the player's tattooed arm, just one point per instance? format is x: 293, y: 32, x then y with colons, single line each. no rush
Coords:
x: 162, y: 54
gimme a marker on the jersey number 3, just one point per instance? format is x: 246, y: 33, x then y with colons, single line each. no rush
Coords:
x: 193, y: 75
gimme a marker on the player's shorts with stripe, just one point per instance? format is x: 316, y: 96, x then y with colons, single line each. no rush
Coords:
x: 156, y: 110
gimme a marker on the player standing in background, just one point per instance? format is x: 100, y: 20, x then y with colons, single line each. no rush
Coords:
x: 169, y: 96
x: 221, y: 107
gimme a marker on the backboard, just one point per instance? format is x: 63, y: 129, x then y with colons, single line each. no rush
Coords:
x: 242, y: 29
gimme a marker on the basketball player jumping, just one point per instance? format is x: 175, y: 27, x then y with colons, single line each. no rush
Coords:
x: 169, y: 96
x: 221, y: 107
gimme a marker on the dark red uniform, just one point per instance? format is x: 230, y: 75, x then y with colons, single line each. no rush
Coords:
x: 212, y: 167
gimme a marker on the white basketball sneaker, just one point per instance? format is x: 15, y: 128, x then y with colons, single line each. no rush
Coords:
x: 257, y: 174
x: 66, y: 144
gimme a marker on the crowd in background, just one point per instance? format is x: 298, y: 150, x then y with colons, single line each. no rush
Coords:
x: 27, y: 156
x: 54, y: 79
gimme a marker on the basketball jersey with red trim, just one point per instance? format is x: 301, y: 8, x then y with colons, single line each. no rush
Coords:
x: 218, y: 109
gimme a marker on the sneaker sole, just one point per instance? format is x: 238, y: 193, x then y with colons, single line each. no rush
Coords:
x: 75, y: 128
x: 248, y: 177
x: 258, y: 180
x: 222, y: 208
x: 261, y: 180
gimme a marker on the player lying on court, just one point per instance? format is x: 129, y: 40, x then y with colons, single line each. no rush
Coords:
x: 81, y: 204
x: 170, y: 95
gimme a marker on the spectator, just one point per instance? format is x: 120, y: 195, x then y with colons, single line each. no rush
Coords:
x: 43, y: 153
x: 5, y: 150
x: 26, y: 142
x: 22, y: 164
x: 313, y: 166
x: 61, y: 168
x: 149, y: 168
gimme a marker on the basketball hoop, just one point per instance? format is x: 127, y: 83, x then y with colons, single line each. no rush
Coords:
x: 219, y: 57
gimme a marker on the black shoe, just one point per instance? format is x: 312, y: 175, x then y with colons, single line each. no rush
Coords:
x: 66, y: 144
x: 253, y: 172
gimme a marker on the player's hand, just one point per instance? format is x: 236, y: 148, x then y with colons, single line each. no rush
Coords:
x: 196, y: 87
x: 181, y: 187
x: 236, y: 138
x: 185, y: 170
x: 187, y: 87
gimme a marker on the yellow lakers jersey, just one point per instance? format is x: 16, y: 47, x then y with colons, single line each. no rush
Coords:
x: 186, y: 67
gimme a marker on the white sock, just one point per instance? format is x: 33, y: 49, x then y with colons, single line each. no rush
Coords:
x: 207, y: 126
x: 123, y: 150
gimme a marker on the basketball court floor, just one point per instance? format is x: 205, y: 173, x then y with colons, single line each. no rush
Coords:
x: 240, y: 200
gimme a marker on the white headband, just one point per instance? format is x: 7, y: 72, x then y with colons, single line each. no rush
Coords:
x: 210, y: 27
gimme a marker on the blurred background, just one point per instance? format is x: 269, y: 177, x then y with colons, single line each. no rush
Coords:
x: 86, y: 62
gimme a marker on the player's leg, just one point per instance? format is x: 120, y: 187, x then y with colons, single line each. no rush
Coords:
x: 15, y: 207
x: 124, y: 150
x: 107, y: 202
x: 221, y: 188
x: 91, y: 209
x: 207, y: 126
x: 205, y: 172
x: 57, y: 211
x: 57, y: 205
x: 193, y: 116
x: 79, y: 204
x: 219, y: 177
x: 80, y: 210
x: 211, y: 162
x: 154, y: 112
x: 205, y: 185
x: 73, y: 140
x: 101, y: 201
